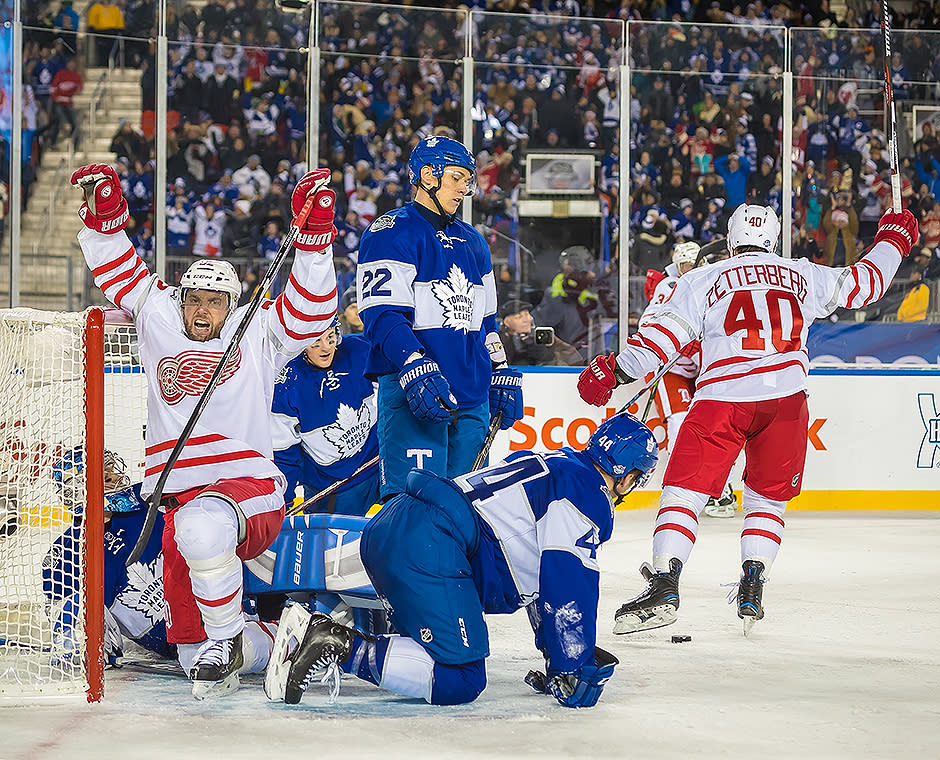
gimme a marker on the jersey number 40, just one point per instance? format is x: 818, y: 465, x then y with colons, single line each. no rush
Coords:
x: 742, y: 315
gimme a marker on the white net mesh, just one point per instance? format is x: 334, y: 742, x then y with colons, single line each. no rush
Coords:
x: 42, y: 436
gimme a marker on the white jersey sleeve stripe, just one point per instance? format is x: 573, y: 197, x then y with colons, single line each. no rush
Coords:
x: 668, y: 334
x: 701, y: 383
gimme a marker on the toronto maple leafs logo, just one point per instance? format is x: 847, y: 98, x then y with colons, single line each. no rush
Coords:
x: 455, y: 294
x: 350, y: 431
x: 144, y: 590
x: 448, y: 242
x: 431, y: 142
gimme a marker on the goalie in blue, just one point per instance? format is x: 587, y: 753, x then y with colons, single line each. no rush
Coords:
x: 427, y: 300
x: 133, y: 595
x: 323, y: 420
x: 522, y: 533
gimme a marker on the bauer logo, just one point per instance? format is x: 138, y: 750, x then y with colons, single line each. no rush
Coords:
x: 927, y: 454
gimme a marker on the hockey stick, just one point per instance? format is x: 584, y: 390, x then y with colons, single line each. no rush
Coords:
x: 654, y: 381
x: 890, y: 113
x: 255, y: 304
x: 488, y: 441
x: 649, y: 401
x: 709, y: 249
x: 300, y: 508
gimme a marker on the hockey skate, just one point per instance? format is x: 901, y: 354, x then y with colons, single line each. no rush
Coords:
x: 724, y: 506
x: 306, y: 645
x: 750, y: 592
x: 656, y: 606
x: 215, y: 670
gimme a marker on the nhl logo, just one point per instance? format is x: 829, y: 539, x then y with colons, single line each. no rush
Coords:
x: 426, y: 636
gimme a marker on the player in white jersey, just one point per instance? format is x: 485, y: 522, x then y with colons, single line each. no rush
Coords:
x: 224, y: 498
x: 752, y: 313
x: 673, y: 392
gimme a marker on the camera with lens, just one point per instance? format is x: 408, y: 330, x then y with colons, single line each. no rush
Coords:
x: 544, y: 336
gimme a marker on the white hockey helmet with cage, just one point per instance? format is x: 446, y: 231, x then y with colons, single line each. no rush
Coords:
x: 685, y: 253
x: 215, y: 275
x: 752, y: 225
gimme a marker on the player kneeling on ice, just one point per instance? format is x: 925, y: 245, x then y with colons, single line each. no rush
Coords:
x: 442, y: 554
x: 752, y: 313
x: 224, y: 498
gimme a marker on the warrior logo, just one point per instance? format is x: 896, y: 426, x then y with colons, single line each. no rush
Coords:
x: 188, y: 373
x: 350, y: 431
x: 455, y: 294
x: 144, y: 590
x: 927, y: 454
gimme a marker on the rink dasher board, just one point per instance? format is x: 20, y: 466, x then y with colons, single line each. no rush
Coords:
x: 873, y: 444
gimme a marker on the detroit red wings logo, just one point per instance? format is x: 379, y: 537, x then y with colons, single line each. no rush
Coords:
x: 188, y: 373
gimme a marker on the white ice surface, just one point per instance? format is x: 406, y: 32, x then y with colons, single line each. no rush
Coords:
x: 846, y: 664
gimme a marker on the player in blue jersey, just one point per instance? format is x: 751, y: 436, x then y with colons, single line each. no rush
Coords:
x: 324, y: 417
x: 133, y: 596
x: 522, y: 533
x: 427, y: 300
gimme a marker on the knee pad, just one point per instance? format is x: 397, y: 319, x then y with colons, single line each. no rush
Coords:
x: 205, y: 527
x: 458, y: 684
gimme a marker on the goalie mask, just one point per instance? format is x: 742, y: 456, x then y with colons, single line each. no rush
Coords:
x: 623, y: 444
x: 69, y: 476
x: 756, y: 227
x: 213, y: 275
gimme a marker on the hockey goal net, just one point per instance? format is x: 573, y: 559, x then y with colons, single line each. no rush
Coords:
x: 70, y: 384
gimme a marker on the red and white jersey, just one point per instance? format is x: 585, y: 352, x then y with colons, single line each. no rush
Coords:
x: 753, y: 313
x: 687, y: 366
x: 233, y: 436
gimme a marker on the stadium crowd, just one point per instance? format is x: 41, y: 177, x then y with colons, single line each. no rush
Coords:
x: 704, y: 112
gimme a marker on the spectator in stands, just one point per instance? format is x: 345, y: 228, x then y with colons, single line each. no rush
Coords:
x: 805, y: 245
x: 239, y: 236
x: 760, y: 183
x: 66, y: 84
x: 253, y: 182
x: 208, y: 227
x: 106, y: 22
x: 129, y: 142
x: 179, y: 220
x: 841, y: 227
x: 66, y: 24
x: 734, y: 170
x: 518, y: 336
x: 349, y: 312
x: 221, y: 92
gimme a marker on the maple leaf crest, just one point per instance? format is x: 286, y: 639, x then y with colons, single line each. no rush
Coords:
x: 455, y: 294
x: 350, y: 431
x: 144, y: 590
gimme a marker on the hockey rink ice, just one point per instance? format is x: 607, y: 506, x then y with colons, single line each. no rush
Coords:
x: 846, y: 664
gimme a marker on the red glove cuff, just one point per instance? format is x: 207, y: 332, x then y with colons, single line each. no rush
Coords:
x: 318, y: 230
x: 108, y: 225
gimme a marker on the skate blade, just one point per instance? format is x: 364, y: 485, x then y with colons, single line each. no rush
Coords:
x: 748, y: 625
x: 214, y: 689
x: 655, y: 617
x: 719, y: 511
x: 290, y: 632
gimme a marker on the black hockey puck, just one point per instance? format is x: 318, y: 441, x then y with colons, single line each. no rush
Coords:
x: 681, y: 639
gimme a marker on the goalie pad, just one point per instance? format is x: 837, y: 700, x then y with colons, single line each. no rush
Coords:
x: 315, y: 553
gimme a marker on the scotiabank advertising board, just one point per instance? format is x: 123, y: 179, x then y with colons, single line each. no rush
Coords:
x: 873, y: 440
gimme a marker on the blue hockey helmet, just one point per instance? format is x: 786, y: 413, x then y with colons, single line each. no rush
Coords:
x: 68, y: 474
x: 438, y: 153
x: 622, y: 444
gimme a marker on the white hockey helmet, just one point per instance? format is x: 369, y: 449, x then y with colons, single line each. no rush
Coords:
x: 215, y: 275
x: 752, y: 225
x: 685, y: 253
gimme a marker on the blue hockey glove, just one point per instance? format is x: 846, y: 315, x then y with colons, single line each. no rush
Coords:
x: 506, y: 396
x: 582, y: 689
x: 427, y: 391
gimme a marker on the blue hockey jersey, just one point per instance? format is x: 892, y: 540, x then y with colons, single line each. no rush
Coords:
x: 324, y: 420
x: 542, y: 519
x: 426, y: 285
x: 133, y: 594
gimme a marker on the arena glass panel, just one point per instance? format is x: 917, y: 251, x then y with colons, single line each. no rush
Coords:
x: 701, y: 95
x: 389, y: 76
x: 546, y: 119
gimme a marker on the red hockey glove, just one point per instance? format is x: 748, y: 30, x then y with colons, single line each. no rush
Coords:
x: 898, y: 229
x: 598, y: 380
x: 317, y: 231
x: 691, y: 350
x: 104, y: 209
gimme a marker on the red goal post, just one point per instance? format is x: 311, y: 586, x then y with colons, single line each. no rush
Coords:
x: 70, y: 384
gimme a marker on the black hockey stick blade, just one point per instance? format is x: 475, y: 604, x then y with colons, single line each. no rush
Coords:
x: 717, y: 245
x: 153, y: 502
x: 488, y: 441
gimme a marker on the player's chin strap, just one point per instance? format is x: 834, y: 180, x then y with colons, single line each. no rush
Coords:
x: 432, y: 191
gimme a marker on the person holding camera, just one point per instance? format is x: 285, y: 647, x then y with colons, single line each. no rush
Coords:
x: 528, y: 345
x: 841, y: 228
